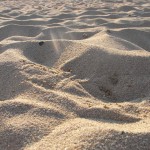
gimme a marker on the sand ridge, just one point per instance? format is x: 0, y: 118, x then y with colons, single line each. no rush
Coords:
x: 74, y: 75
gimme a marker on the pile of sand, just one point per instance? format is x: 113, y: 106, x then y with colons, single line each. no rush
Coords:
x: 74, y: 75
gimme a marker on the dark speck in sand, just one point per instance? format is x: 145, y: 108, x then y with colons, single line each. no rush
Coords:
x: 122, y: 132
x: 41, y: 43
x: 85, y: 35
x: 108, y: 31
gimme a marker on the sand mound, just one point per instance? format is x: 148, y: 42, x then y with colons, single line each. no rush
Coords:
x: 74, y: 75
x: 11, y: 30
x: 135, y: 36
x: 92, y: 135
x: 112, y: 74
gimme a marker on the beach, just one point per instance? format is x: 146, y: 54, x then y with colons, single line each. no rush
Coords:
x: 75, y: 75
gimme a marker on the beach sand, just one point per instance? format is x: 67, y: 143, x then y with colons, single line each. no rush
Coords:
x: 75, y: 75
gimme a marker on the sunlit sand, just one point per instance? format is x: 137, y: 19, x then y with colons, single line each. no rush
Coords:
x: 75, y: 75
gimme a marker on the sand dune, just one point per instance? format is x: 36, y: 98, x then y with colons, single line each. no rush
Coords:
x: 74, y: 75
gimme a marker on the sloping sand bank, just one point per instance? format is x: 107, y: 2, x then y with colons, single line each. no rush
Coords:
x: 75, y: 75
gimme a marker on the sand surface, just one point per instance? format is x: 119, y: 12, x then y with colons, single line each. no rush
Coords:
x: 75, y: 75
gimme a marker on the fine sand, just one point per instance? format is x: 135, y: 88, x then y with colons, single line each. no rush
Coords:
x: 74, y: 75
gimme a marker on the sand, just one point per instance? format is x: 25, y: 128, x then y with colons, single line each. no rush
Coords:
x: 75, y: 75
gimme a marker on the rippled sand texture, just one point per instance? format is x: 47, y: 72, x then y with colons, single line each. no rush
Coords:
x: 74, y: 75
